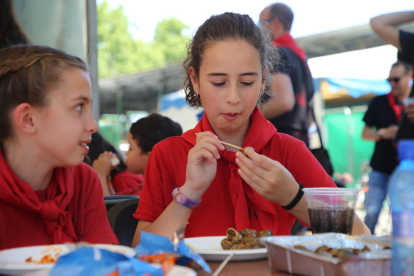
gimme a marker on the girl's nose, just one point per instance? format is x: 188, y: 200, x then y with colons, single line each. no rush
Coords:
x: 91, y: 125
x: 232, y: 94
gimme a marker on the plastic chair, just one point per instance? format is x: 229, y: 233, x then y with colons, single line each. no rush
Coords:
x: 111, y: 201
x: 122, y: 222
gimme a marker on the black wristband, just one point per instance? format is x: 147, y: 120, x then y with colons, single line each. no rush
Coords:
x: 295, y: 201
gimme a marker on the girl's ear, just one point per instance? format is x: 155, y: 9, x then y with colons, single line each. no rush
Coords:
x: 148, y: 154
x: 23, y: 117
x: 266, y: 69
x: 194, y: 79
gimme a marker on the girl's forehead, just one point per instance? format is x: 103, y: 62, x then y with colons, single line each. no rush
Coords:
x: 231, y: 53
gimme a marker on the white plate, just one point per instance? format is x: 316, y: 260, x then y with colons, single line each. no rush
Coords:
x: 210, y: 249
x: 181, y: 271
x: 13, y: 261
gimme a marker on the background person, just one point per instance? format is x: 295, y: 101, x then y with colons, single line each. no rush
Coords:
x: 48, y: 195
x: 381, y: 125
x: 143, y: 135
x: 387, y: 27
x: 194, y: 178
x: 11, y: 33
x: 114, y: 179
x: 292, y: 87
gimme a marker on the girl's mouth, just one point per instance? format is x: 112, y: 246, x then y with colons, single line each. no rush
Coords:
x: 231, y: 116
x: 84, y: 145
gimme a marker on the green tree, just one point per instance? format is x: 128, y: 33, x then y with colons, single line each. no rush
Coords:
x: 119, y: 53
x: 170, y: 40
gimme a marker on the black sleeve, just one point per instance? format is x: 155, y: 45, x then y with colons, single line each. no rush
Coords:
x: 369, y: 117
x: 284, y: 63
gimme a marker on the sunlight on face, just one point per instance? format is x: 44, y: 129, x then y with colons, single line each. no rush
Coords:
x: 64, y: 127
x: 229, y: 84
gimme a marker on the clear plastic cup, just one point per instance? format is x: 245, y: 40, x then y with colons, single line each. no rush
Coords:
x: 331, y: 209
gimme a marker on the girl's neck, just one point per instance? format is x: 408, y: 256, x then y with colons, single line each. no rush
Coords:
x: 235, y: 138
x: 27, y: 167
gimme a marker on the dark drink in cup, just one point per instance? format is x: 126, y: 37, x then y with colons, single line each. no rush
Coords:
x: 331, y: 220
x: 331, y: 209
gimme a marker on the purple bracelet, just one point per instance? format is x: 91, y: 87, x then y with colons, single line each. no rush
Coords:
x: 183, y: 200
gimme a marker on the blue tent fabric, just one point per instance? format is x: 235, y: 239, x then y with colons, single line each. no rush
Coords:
x: 356, y: 87
x: 172, y: 99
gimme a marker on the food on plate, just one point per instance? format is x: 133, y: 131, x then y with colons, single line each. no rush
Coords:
x: 50, y: 255
x: 46, y: 259
x: 342, y: 253
x: 245, y: 239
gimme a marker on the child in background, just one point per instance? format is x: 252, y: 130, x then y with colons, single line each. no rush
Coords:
x: 111, y: 168
x: 196, y: 179
x: 142, y: 137
x: 48, y: 195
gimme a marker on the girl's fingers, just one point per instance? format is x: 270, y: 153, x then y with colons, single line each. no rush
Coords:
x: 211, y: 138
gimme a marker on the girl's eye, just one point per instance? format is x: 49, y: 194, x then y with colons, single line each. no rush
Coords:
x: 247, y: 83
x: 219, y: 84
x: 79, y: 107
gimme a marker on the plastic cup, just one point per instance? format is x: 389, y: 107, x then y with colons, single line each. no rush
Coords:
x: 331, y: 209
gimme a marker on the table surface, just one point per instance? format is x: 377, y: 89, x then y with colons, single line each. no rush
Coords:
x: 240, y: 268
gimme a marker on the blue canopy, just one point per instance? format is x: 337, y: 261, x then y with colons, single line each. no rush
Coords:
x: 355, y: 87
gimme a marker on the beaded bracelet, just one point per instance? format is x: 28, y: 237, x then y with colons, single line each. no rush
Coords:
x: 183, y: 200
x: 295, y: 201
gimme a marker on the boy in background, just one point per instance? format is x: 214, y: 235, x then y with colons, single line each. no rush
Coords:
x: 142, y: 137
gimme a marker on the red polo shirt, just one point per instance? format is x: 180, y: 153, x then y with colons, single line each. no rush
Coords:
x: 229, y: 201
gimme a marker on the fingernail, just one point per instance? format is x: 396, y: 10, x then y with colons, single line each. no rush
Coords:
x: 237, y: 153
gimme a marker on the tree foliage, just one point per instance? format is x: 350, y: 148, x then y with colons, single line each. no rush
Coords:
x: 119, y: 53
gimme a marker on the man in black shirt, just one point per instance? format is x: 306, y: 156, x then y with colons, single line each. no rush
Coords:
x: 387, y: 27
x: 381, y: 125
x: 292, y: 83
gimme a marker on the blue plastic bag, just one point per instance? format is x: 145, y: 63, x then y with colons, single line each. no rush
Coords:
x: 151, y: 244
x: 89, y: 261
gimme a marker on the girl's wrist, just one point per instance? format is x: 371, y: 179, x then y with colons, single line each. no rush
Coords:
x: 191, y: 193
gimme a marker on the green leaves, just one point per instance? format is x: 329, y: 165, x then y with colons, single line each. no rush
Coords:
x: 119, y: 53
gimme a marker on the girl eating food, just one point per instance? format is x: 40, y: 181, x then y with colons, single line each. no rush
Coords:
x: 194, y: 178
x: 48, y: 195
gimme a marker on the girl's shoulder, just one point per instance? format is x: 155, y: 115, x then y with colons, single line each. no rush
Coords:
x: 173, y: 144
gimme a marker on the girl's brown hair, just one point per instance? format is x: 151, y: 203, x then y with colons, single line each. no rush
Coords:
x: 27, y: 72
x: 227, y: 26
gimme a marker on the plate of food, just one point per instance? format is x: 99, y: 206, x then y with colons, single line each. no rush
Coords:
x: 245, y: 245
x: 31, y: 259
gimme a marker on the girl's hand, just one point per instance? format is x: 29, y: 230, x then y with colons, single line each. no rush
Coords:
x: 103, y: 165
x: 201, y: 165
x: 267, y: 177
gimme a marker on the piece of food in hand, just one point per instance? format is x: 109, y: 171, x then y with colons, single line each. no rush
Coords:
x: 114, y: 161
x: 243, y: 150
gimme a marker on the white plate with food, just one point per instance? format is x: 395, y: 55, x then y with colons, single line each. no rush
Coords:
x: 210, y: 249
x: 32, y: 259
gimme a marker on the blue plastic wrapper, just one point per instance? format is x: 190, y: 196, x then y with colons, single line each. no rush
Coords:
x: 151, y: 244
x: 94, y: 261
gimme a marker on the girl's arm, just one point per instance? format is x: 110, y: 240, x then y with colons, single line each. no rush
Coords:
x: 386, y: 26
x: 200, y: 172
x: 103, y: 166
x: 275, y: 183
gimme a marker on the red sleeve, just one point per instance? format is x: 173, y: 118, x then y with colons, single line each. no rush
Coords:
x: 96, y: 228
x: 152, y: 198
x: 127, y: 183
x: 306, y: 169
